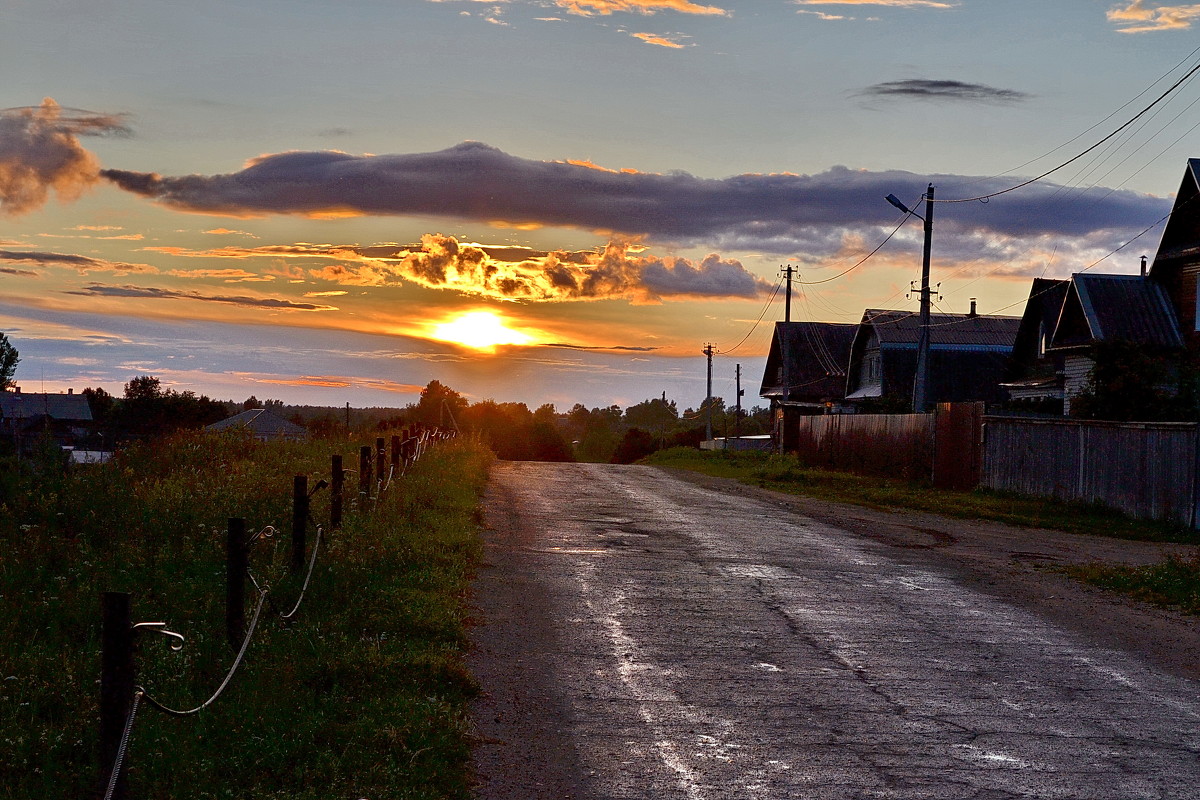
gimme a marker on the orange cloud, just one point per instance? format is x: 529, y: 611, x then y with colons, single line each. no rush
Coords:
x: 1137, y: 18
x: 895, y: 3
x: 442, y: 262
x: 661, y: 41
x: 587, y: 8
x: 227, y: 275
x: 334, y: 382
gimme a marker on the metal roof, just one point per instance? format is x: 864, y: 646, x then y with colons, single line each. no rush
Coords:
x: 34, y: 405
x: 1116, y: 307
x: 816, y: 355
x: 262, y: 423
x: 958, y: 331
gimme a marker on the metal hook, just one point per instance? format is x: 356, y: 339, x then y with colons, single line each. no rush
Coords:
x: 265, y: 533
x: 161, y: 627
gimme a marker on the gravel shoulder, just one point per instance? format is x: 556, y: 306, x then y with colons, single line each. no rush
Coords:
x: 1018, y: 565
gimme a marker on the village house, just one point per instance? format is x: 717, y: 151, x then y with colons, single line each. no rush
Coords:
x: 806, y: 370
x: 968, y: 356
x: 261, y: 424
x: 25, y: 417
x: 1066, y: 321
x: 1034, y: 379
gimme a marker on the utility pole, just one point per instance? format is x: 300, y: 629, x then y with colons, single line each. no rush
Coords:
x: 737, y: 414
x: 921, y: 385
x: 787, y: 297
x: 708, y: 351
x: 662, y: 427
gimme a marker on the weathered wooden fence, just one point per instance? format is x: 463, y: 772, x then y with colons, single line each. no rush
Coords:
x: 899, y: 445
x: 1147, y: 470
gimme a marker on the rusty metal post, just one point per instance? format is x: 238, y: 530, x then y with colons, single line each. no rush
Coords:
x: 236, y: 560
x: 364, y: 470
x: 335, y: 500
x: 299, y: 521
x: 116, y: 682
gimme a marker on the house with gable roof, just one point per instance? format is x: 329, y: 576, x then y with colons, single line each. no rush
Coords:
x: 25, y: 416
x: 968, y: 356
x: 805, y: 372
x: 262, y: 424
x: 1158, y: 311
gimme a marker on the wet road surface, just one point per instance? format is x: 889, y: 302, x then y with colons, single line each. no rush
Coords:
x: 642, y: 637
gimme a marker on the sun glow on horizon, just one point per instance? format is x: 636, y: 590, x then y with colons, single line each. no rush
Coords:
x: 480, y: 330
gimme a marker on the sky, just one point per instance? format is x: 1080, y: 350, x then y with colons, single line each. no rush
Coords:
x: 554, y: 201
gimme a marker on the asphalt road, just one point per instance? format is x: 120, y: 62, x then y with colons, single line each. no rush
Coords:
x: 641, y: 636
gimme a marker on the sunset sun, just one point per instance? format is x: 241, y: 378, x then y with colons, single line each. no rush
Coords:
x: 482, y: 330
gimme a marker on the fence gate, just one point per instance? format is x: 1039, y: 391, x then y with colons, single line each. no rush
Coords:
x: 958, y: 446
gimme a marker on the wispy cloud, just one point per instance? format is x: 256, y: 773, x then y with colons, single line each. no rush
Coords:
x: 943, y: 90
x: 775, y: 213
x: 83, y: 264
x: 226, y: 275
x: 40, y: 153
x: 589, y: 8
x: 229, y: 232
x: 661, y: 41
x: 1136, y: 17
x: 824, y: 16
x: 270, y: 303
x: 333, y: 382
x: 892, y: 3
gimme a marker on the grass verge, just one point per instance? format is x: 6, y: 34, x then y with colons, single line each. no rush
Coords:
x: 364, y: 696
x: 1174, y: 583
x: 786, y: 474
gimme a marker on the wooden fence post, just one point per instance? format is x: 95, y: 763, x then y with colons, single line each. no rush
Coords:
x: 116, y: 683
x: 364, y: 470
x: 380, y: 475
x: 299, y: 520
x: 335, y: 500
x: 395, y: 455
x: 236, y: 560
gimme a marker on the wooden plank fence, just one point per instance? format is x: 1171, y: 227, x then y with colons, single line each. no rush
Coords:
x: 898, y: 445
x: 1147, y: 470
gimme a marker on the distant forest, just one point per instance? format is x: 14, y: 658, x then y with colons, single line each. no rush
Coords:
x: 512, y: 430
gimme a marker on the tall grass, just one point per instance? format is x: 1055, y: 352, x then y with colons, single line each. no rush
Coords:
x: 363, y: 696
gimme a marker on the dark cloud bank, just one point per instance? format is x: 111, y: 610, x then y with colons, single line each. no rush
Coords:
x: 777, y: 213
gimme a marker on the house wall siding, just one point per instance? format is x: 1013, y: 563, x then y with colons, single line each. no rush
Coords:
x: 1077, y: 371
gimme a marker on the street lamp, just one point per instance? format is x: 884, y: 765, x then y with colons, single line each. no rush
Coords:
x: 921, y: 381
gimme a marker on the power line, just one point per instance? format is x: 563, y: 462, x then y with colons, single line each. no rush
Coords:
x: 984, y: 197
x: 753, y: 327
x: 863, y: 260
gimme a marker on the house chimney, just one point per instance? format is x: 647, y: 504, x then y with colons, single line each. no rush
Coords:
x: 70, y: 391
x: 17, y: 389
x: 973, y: 312
x: 1143, y: 266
